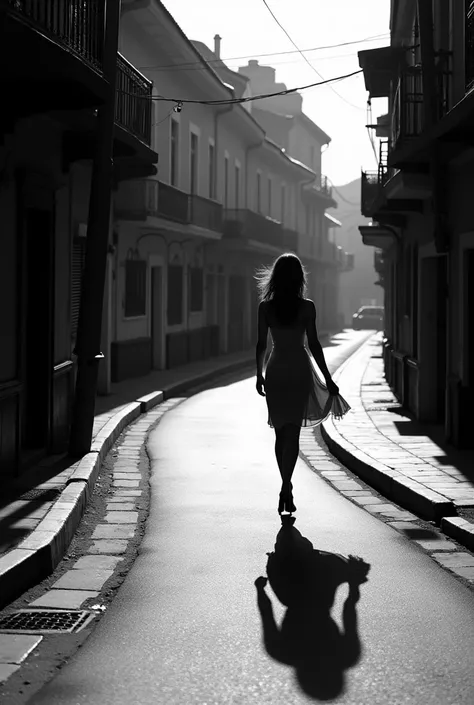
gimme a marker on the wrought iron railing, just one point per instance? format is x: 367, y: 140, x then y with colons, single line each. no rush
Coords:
x: 133, y: 104
x: 205, y: 213
x: 408, y: 110
x: 76, y: 24
x: 469, y: 46
x: 369, y: 190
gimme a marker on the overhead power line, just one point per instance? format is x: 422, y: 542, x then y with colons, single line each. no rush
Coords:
x: 304, y: 57
x: 188, y: 65
x: 248, y: 99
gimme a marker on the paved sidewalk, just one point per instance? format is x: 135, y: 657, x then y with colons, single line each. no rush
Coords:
x: 405, y: 460
x: 40, y: 510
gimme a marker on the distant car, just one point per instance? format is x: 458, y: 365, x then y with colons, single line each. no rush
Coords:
x: 368, y: 318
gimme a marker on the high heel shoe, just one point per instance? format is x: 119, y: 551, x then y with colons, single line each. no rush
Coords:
x: 286, y: 503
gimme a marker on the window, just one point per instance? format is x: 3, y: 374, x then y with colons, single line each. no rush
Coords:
x: 196, y: 288
x: 194, y: 163
x: 212, y: 171
x: 175, y: 294
x: 283, y: 203
x: 174, y: 146
x: 226, y: 181
x: 270, y: 197
x: 135, y: 288
x: 237, y: 186
x: 259, y: 192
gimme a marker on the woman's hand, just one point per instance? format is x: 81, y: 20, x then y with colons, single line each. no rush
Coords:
x: 333, y: 389
x: 260, y: 385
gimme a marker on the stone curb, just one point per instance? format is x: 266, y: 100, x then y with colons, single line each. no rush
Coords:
x: 406, y: 492
x: 38, y: 555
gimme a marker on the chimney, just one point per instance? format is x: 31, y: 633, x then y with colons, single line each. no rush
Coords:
x: 217, y: 46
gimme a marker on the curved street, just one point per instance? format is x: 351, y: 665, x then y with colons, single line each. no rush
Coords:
x: 186, y: 626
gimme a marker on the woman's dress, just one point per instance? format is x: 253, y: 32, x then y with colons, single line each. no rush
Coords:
x: 294, y: 391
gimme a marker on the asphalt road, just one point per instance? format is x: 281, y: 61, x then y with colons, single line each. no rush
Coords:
x: 186, y: 627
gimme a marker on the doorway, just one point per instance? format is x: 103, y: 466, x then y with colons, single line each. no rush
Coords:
x: 157, y: 317
x: 37, y: 348
x: 221, y: 312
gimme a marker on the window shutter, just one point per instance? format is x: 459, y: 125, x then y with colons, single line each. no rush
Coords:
x: 78, y: 261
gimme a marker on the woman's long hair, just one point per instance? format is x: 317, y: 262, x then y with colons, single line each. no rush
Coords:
x: 283, y: 283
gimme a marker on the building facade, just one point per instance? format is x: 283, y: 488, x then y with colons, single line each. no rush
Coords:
x: 227, y: 199
x: 421, y: 212
x: 47, y: 144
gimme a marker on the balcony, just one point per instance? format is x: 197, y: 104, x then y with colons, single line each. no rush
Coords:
x: 321, y: 187
x: 172, y: 203
x: 407, y: 116
x: 372, y: 182
x: 205, y: 213
x: 55, y: 47
x: 247, y: 225
x: 133, y: 104
x: 143, y: 198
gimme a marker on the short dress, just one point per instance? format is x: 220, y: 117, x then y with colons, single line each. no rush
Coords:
x: 295, y: 393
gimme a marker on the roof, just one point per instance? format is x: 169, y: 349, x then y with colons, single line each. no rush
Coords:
x: 294, y: 162
x: 313, y: 127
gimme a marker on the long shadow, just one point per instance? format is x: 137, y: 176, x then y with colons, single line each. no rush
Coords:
x: 305, y: 580
x: 26, y: 496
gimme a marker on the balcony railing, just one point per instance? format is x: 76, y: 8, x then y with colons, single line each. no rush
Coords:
x: 205, y: 213
x: 133, y: 104
x: 408, y: 111
x: 372, y: 182
x: 369, y: 190
x: 173, y: 204
x: 248, y: 225
x: 137, y: 199
x: 77, y: 24
x: 469, y: 46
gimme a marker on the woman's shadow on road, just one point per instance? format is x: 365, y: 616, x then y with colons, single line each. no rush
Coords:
x: 305, y: 580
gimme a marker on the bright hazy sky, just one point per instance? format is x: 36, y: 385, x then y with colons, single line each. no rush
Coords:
x: 246, y: 26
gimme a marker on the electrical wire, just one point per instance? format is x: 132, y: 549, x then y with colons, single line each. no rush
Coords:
x: 155, y: 124
x: 357, y: 107
x: 248, y: 99
x: 188, y: 65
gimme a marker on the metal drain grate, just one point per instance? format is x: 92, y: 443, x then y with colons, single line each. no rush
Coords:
x: 45, y: 621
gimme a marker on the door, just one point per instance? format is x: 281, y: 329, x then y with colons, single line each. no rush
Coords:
x: 221, y: 307
x: 37, y: 352
x: 157, y: 317
x: 441, y: 337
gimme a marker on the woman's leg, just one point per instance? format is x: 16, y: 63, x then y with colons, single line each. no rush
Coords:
x: 279, y: 444
x: 291, y: 449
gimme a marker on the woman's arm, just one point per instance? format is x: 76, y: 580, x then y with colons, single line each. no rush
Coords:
x: 313, y: 341
x: 262, y: 338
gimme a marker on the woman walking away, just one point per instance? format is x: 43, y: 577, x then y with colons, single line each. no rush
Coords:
x: 295, y: 394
